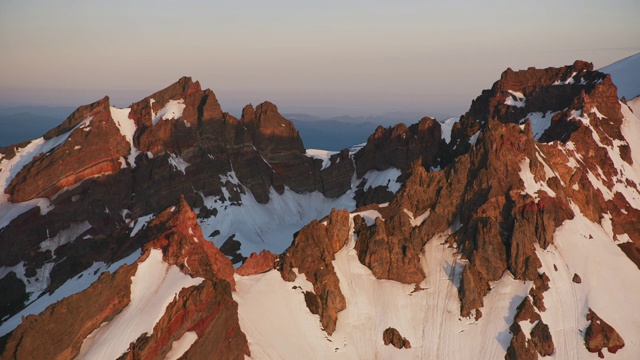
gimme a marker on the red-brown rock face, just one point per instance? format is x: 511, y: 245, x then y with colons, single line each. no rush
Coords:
x: 258, y: 263
x: 389, y: 251
x: 392, y: 337
x: 312, y: 253
x: 400, y: 146
x: 600, y: 335
x: 94, y: 148
x: 537, y: 342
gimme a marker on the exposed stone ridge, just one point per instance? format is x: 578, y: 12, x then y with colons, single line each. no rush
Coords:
x: 68, y: 322
x: 388, y: 249
x: 544, y: 90
x: 312, y: 253
x: 391, y: 336
x: 399, y: 146
x: 94, y: 149
x: 78, y: 116
x: 537, y: 342
x: 258, y: 263
x: 600, y: 335
x: 207, y: 309
x: 482, y: 191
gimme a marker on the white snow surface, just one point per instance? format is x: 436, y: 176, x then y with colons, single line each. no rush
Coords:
x: 323, y: 155
x: 70, y: 287
x: 446, y: 127
x: 64, y: 237
x: 634, y: 105
x: 172, y: 110
x: 474, y: 138
x: 127, y: 128
x: 531, y: 186
x: 625, y: 74
x: 268, y: 226
x: 277, y: 323
x: 516, y: 99
x: 178, y: 163
x: 140, y: 223
x: 180, y: 346
x: 539, y: 122
x: 154, y: 286
x: 417, y: 221
x: 388, y: 178
x: 610, y: 286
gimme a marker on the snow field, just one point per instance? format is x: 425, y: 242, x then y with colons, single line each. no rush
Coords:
x: 268, y: 226
x: 153, y: 287
x: 272, y: 312
x: 610, y: 286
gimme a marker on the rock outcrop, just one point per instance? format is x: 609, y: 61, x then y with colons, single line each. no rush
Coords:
x: 537, y: 341
x: 312, y: 253
x: 258, y: 263
x: 92, y: 146
x: 600, y: 335
x: 391, y: 336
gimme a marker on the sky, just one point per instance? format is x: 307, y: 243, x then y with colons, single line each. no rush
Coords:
x: 322, y: 58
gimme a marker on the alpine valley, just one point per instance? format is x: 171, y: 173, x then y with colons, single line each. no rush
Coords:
x: 171, y: 229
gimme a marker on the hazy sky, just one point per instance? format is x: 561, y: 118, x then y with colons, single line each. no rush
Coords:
x: 320, y: 57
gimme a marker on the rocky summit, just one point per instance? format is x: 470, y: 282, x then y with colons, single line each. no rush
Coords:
x: 172, y: 229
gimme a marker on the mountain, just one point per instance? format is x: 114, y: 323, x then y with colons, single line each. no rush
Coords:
x: 172, y: 229
x: 337, y: 133
x: 625, y: 75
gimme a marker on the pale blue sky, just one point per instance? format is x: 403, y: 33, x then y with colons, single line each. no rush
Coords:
x: 329, y: 57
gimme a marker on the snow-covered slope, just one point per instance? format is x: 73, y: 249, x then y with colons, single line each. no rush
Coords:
x: 625, y: 74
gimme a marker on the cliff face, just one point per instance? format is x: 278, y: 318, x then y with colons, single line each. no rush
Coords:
x: 482, y: 234
x: 204, y: 309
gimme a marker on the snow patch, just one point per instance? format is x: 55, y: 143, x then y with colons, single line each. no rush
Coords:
x: 417, y: 221
x: 178, y: 163
x: 446, y: 127
x: 127, y: 128
x: 140, y: 224
x: 323, y: 155
x: 540, y: 121
x: 531, y: 186
x: 64, y: 237
x: 474, y: 138
x: 516, y: 99
x: 180, y: 346
x: 388, y: 178
x: 172, y: 110
x: 153, y: 287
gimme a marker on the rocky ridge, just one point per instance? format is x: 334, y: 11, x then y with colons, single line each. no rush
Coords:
x: 537, y: 150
